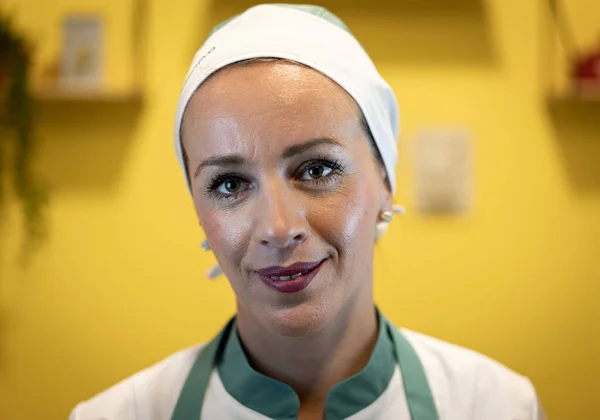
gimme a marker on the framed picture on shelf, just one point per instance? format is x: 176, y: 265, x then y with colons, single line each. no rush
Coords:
x: 82, y: 52
x: 443, y: 171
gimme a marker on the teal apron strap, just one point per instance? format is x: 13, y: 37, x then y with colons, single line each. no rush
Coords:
x: 416, y: 388
x: 191, y: 399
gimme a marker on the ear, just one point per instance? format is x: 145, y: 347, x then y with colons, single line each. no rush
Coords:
x: 387, y: 198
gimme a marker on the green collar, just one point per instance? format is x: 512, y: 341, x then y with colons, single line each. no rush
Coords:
x: 275, y: 399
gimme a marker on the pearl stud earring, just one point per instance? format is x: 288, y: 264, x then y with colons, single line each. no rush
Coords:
x: 386, y: 216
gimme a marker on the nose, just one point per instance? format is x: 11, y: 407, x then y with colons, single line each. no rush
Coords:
x: 280, y: 217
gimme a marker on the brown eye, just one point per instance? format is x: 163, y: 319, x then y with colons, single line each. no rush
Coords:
x: 316, y: 172
x: 232, y: 186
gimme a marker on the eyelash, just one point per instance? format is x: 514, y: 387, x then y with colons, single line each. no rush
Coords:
x: 336, y: 170
x: 336, y: 167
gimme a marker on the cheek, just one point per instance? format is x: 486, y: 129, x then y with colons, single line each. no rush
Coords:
x: 349, y: 221
x: 227, y: 233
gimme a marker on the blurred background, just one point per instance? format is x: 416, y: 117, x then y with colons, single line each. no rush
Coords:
x: 108, y: 276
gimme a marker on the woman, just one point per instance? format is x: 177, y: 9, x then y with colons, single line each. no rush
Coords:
x: 286, y: 134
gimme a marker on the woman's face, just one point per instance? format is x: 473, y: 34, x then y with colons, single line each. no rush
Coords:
x: 287, y: 190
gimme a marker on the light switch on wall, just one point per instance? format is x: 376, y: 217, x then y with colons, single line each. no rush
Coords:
x: 443, y: 170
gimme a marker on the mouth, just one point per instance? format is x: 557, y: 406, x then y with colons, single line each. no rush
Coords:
x: 290, y: 279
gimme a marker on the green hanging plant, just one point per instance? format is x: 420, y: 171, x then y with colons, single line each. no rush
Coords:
x: 17, y: 142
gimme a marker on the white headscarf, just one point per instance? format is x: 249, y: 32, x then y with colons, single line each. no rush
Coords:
x: 309, y: 35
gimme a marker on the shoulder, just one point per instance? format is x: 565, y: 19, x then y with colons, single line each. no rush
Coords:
x: 464, y: 381
x: 149, y: 394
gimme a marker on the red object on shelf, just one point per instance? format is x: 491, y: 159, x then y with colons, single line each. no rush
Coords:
x: 586, y: 75
x: 588, y: 68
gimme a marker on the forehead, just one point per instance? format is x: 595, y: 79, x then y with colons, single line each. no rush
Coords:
x: 269, y: 101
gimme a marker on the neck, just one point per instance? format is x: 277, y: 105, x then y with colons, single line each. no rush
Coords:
x: 313, y: 364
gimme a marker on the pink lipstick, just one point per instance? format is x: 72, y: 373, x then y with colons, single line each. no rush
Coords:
x: 290, y: 279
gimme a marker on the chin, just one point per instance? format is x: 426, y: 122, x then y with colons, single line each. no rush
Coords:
x: 300, y: 320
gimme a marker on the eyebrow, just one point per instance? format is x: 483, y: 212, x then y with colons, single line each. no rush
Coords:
x: 233, y: 160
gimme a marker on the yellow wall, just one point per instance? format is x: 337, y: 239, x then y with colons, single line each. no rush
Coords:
x: 119, y: 284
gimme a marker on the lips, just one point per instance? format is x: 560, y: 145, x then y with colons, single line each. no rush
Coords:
x: 289, y: 271
x: 290, y: 279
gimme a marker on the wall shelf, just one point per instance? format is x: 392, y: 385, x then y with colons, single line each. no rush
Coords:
x: 48, y: 89
x: 61, y: 94
x: 583, y: 93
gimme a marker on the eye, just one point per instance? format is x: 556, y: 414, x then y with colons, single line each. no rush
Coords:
x: 231, y: 186
x: 227, y: 187
x: 316, y: 171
